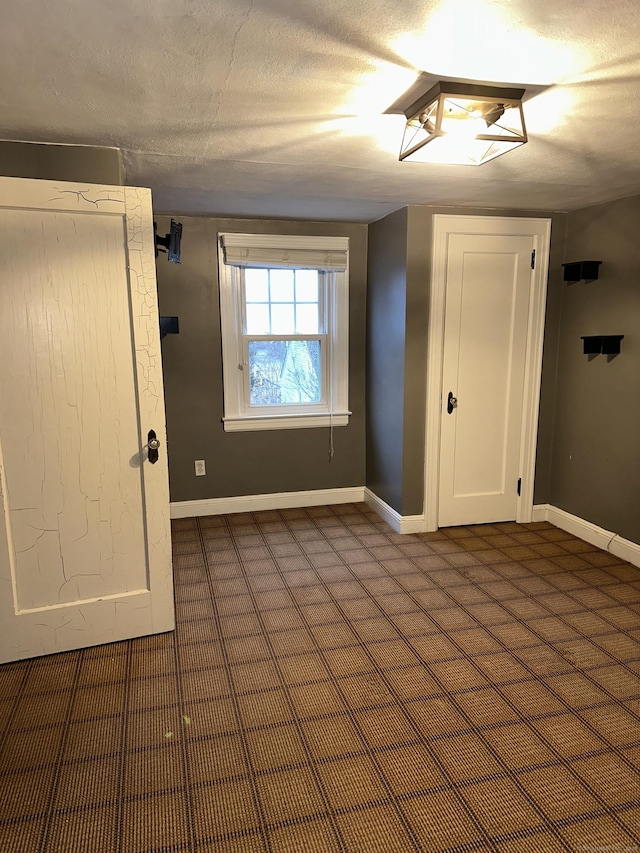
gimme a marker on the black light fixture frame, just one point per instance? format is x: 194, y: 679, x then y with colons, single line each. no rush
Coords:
x: 499, y: 95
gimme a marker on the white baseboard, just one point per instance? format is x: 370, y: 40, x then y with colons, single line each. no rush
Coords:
x: 397, y: 522
x: 255, y: 503
x: 598, y: 536
x: 288, y: 500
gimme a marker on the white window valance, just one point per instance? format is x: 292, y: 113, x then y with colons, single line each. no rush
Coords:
x: 273, y: 251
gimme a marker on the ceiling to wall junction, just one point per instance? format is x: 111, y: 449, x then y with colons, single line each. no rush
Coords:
x: 277, y: 108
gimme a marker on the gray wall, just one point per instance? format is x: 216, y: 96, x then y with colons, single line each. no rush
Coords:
x: 596, y: 444
x: 247, y: 463
x: 386, y: 347
x: 395, y: 445
x: 588, y: 454
x: 61, y: 163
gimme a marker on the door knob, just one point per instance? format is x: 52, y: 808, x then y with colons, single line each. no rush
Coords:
x: 452, y: 402
x: 153, y: 444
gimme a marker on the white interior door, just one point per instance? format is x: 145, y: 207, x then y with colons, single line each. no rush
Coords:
x: 488, y: 294
x: 84, y: 533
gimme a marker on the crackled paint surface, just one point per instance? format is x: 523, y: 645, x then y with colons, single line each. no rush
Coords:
x: 84, y: 556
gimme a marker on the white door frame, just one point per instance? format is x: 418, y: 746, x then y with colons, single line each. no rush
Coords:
x: 443, y: 226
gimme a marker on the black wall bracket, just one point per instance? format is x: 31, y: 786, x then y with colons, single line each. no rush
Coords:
x: 170, y: 243
x: 169, y: 326
x: 581, y: 271
x: 605, y: 344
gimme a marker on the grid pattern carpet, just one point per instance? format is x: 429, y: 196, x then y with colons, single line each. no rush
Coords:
x: 332, y: 686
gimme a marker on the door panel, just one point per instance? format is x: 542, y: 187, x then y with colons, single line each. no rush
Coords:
x: 485, y: 334
x: 84, y: 544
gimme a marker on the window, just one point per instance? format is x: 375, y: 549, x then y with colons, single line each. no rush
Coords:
x: 284, y: 315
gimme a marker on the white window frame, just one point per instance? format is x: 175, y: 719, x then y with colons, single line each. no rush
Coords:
x: 333, y: 410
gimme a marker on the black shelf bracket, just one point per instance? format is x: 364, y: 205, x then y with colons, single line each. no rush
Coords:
x: 581, y: 271
x: 605, y: 344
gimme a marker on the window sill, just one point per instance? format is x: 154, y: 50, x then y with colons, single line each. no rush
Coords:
x: 256, y: 422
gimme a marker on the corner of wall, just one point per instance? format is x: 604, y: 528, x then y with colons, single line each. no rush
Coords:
x: 122, y: 169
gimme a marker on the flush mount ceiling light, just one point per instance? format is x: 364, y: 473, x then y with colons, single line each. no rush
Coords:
x: 463, y: 123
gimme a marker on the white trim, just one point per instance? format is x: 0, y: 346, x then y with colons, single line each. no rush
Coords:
x: 540, y: 512
x: 397, y: 522
x: 249, y: 423
x: 533, y: 369
x: 589, y: 532
x: 277, y: 500
x: 435, y: 351
x: 289, y: 500
x: 443, y: 226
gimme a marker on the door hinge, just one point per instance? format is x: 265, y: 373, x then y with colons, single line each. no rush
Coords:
x: 519, y: 486
x: 533, y: 259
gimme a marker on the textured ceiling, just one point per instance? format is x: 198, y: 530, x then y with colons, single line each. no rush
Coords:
x: 276, y: 107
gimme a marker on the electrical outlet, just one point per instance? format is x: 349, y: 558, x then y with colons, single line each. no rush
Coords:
x: 200, y: 468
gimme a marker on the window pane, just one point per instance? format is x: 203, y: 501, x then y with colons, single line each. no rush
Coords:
x: 258, y: 319
x: 282, y: 320
x: 281, y: 285
x: 307, y: 319
x: 284, y: 372
x: 306, y: 285
x: 256, y: 285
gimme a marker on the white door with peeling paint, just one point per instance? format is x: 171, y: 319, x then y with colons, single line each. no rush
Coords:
x: 85, y: 553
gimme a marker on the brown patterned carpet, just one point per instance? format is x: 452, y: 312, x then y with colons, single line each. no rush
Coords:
x: 333, y: 686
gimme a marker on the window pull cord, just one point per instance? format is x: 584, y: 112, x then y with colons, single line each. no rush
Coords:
x: 331, y: 436
x: 331, y: 449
